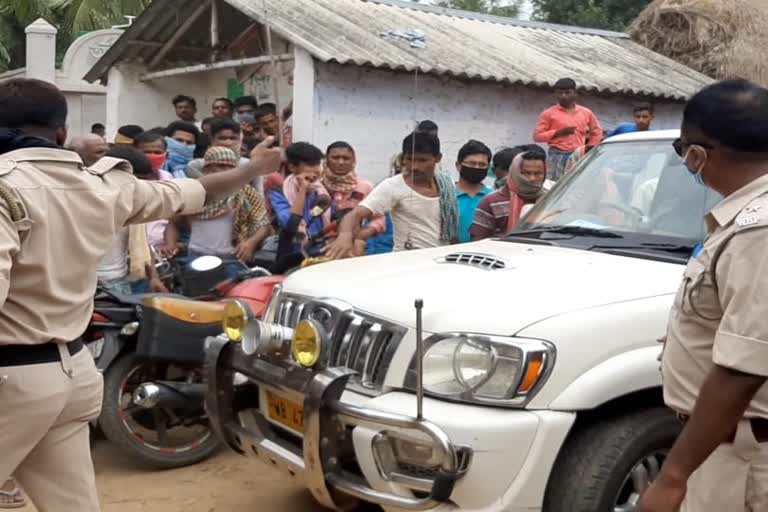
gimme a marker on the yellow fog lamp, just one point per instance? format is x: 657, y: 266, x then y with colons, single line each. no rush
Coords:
x: 236, y: 318
x: 307, y: 343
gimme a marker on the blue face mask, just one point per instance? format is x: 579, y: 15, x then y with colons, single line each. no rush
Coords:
x: 245, y: 117
x: 179, y: 149
x: 179, y: 156
x: 696, y: 173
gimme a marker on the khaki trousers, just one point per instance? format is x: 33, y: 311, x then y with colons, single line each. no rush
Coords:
x: 733, y: 479
x: 44, y: 433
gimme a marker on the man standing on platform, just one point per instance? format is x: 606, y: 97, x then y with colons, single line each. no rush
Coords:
x: 566, y: 127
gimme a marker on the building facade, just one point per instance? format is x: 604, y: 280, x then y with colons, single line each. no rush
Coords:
x: 368, y: 71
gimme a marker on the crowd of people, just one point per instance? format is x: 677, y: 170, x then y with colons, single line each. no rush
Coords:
x: 303, y: 201
x: 318, y: 205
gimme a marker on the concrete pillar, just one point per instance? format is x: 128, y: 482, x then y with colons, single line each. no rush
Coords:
x: 41, y: 51
x: 303, y: 95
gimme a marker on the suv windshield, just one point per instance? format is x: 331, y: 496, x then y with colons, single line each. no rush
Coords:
x: 640, y: 192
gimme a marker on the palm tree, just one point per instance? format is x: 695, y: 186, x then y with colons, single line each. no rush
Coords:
x: 71, y: 17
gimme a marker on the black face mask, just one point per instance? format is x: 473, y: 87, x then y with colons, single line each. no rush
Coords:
x: 473, y: 175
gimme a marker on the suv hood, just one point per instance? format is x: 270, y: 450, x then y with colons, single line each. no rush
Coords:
x: 537, y: 282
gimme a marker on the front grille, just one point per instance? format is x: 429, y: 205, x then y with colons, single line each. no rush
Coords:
x: 359, y: 342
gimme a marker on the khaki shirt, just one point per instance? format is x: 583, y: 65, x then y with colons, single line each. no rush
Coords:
x: 48, y: 259
x: 720, y: 313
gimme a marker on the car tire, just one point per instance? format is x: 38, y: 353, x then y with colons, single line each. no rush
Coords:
x: 592, y: 472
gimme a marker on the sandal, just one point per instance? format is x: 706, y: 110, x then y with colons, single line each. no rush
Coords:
x: 12, y: 499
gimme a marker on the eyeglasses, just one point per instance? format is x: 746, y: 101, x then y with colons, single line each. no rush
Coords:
x: 679, y: 146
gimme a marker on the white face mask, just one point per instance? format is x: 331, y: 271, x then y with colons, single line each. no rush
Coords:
x: 696, y: 173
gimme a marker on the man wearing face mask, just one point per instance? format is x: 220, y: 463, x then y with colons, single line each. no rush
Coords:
x: 245, y: 107
x: 181, y: 139
x: 715, y: 359
x: 472, y: 165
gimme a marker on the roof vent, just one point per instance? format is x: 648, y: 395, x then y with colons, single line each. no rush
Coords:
x: 484, y: 261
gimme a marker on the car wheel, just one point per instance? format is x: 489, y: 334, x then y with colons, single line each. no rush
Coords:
x: 606, y: 466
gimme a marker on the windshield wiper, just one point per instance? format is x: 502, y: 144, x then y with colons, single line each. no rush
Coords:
x: 650, y: 246
x: 567, y: 230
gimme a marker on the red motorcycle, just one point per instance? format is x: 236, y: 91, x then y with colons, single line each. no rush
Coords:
x: 150, y: 349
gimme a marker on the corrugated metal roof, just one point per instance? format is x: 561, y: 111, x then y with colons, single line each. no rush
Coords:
x: 467, y: 45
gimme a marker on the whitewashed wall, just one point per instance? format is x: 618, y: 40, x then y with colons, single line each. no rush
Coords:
x: 83, y: 111
x: 148, y: 104
x: 374, y: 110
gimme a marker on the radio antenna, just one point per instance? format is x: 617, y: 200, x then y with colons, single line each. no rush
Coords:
x: 419, y: 304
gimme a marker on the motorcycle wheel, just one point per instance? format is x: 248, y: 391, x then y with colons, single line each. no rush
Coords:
x: 155, y: 437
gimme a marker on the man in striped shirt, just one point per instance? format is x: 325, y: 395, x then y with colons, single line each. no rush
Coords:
x: 498, y: 212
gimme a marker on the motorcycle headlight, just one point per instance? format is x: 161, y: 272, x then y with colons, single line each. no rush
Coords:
x: 486, y: 369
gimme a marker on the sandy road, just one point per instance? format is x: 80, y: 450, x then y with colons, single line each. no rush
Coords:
x: 227, y: 482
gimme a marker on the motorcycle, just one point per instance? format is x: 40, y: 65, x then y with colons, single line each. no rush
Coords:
x: 150, y: 349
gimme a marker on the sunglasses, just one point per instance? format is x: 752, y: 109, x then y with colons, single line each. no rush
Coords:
x: 679, y: 146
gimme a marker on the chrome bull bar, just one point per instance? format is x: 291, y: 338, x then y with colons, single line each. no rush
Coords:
x: 318, y: 459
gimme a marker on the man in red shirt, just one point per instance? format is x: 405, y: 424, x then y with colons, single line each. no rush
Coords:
x: 565, y: 127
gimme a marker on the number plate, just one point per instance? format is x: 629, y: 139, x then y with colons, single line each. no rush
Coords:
x: 287, y: 413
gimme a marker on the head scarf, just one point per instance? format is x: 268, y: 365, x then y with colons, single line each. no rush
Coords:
x: 221, y: 156
x: 521, y: 191
x: 336, y: 183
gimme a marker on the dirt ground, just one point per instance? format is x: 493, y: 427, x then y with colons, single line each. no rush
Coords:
x: 227, y: 482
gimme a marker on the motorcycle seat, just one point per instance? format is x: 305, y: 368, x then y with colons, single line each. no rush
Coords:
x: 187, y: 310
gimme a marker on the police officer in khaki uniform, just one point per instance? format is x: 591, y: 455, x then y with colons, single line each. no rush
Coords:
x: 715, y: 359
x: 57, y: 219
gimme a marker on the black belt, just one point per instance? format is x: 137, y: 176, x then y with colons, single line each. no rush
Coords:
x: 759, y: 428
x: 20, y: 355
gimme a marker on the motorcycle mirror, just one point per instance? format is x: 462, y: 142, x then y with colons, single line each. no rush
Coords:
x: 205, y: 263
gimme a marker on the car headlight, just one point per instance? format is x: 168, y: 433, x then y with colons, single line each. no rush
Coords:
x: 487, y: 369
x: 236, y: 317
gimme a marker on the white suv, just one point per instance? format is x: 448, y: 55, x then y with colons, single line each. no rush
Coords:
x: 536, y: 386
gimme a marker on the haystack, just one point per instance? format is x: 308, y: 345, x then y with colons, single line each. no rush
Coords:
x: 720, y: 38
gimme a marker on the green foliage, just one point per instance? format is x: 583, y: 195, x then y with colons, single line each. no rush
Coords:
x: 510, y: 9
x: 605, y: 14
x: 71, y: 17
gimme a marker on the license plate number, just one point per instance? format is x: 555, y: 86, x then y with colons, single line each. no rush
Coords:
x: 285, y: 412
